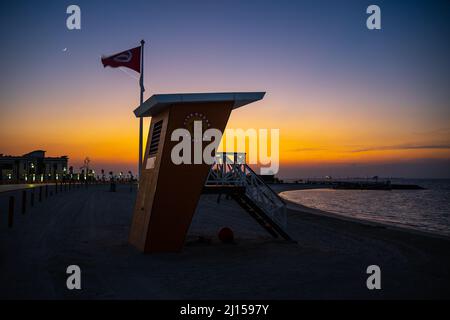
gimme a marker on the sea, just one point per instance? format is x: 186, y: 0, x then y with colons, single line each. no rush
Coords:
x: 425, y: 210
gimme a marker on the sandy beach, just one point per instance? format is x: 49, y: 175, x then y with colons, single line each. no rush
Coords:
x: 89, y: 227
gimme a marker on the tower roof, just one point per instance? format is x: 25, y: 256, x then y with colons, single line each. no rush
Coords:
x: 158, y: 102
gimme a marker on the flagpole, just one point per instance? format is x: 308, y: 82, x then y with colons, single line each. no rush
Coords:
x: 141, y: 83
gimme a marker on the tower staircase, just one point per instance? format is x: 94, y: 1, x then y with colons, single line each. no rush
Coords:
x: 232, y: 176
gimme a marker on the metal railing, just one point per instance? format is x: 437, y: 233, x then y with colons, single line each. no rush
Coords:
x: 231, y: 169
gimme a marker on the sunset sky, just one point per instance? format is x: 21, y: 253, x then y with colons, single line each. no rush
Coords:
x: 348, y: 101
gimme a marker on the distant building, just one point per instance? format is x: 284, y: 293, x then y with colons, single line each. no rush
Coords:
x: 32, y: 167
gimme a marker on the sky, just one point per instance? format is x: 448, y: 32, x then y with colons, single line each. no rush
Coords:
x: 348, y: 101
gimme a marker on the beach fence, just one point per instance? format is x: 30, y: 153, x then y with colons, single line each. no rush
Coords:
x: 16, y: 201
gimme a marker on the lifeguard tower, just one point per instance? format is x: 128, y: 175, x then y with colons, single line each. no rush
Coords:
x: 168, y: 193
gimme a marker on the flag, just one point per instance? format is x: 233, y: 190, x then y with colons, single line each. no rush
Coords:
x: 129, y: 59
x: 133, y: 59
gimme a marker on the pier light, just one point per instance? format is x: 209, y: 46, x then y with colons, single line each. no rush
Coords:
x: 34, y: 177
x: 57, y: 176
x: 42, y: 178
x: 26, y: 178
x: 9, y: 176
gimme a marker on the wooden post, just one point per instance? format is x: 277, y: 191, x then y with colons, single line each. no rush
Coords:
x: 11, y: 212
x: 24, y: 201
x: 46, y: 191
x: 40, y: 194
x: 32, y: 198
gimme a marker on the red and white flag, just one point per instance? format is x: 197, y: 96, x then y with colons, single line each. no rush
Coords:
x: 129, y: 59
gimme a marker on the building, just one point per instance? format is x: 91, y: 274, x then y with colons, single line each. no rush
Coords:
x: 32, y: 167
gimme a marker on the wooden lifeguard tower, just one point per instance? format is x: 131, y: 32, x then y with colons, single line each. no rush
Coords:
x: 168, y: 193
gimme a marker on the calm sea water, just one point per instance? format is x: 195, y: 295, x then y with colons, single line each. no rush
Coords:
x: 427, y: 210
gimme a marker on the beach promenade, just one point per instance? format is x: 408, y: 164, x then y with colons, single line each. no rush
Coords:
x: 89, y: 227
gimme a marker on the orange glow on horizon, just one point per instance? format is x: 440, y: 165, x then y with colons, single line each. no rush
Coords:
x: 108, y: 133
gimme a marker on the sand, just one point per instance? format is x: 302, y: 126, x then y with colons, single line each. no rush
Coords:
x: 89, y: 228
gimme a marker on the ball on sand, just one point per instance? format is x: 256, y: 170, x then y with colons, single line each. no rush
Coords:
x: 226, y: 235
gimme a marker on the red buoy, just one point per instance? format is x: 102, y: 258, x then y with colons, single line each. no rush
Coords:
x: 226, y: 235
